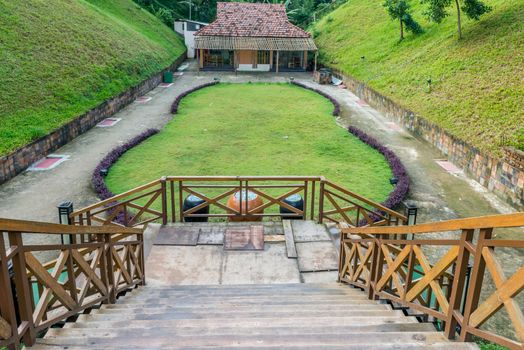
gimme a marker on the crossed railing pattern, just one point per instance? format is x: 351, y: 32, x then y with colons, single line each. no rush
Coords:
x: 162, y: 201
x: 36, y: 295
x: 388, y: 266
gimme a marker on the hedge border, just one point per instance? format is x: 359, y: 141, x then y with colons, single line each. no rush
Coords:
x: 399, y: 171
x: 336, y: 105
x: 97, y: 179
x: 174, y: 106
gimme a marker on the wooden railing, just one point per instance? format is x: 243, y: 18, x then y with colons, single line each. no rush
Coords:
x: 162, y: 201
x: 375, y: 259
x: 36, y: 295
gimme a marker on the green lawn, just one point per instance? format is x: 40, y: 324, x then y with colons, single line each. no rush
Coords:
x: 477, y: 90
x: 255, y: 129
x: 61, y: 58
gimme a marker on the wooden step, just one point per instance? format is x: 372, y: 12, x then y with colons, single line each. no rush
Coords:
x: 247, y: 340
x: 155, y: 330
x: 404, y: 346
x: 224, y: 315
x: 242, y: 322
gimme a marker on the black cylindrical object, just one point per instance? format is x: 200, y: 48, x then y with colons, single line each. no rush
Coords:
x: 295, y: 201
x: 11, y: 271
x: 192, y: 201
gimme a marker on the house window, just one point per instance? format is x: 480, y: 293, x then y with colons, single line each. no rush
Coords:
x: 263, y: 57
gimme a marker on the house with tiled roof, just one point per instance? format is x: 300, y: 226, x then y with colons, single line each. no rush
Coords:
x: 253, y: 37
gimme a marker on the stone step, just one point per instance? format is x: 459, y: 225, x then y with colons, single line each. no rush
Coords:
x: 153, y: 330
x: 223, y: 315
x: 95, y: 322
x: 136, y: 340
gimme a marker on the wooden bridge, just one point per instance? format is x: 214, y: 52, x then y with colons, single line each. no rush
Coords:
x: 414, y: 287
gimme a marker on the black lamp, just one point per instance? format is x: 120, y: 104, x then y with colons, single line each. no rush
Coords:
x: 64, y: 211
x: 411, y: 213
x: 393, y: 181
x: 104, y: 172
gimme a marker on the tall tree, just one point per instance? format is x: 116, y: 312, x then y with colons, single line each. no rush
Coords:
x: 400, y: 9
x: 472, y: 8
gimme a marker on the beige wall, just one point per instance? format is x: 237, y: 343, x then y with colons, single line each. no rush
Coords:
x: 246, y: 57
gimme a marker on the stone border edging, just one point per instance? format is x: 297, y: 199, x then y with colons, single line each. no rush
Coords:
x: 174, y: 106
x: 20, y: 159
x: 99, y: 185
x: 336, y: 105
x: 504, y: 177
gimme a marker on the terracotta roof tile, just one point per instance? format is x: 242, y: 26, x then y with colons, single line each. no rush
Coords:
x: 242, y: 19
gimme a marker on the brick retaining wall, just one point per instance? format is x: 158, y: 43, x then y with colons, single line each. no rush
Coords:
x: 16, y: 162
x: 504, y: 177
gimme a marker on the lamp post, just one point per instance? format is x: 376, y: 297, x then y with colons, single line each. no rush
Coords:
x: 64, y: 211
x: 410, y: 212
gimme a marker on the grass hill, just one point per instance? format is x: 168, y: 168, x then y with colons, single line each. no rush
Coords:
x: 60, y: 58
x: 477, y: 88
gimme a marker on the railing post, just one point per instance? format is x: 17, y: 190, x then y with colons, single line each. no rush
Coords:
x: 173, y: 207
x: 22, y: 288
x: 141, y: 258
x: 376, y: 267
x: 459, y: 279
x: 103, y: 265
x: 164, y: 200
x: 108, y: 256
x: 7, y: 298
x: 321, y: 203
x: 477, y: 277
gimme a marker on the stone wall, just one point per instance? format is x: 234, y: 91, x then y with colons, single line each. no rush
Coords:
x: 504, y: 177
x: 16, y: 162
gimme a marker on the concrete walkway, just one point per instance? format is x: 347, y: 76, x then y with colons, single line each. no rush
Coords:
x: 34, y: 195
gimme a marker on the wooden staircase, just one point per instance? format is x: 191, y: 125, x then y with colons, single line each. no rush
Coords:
x: 270, y: 316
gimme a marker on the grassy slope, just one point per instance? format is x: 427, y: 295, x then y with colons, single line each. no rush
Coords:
x: 255, y: 129
x: 478, y: 82
x: 61, y: 58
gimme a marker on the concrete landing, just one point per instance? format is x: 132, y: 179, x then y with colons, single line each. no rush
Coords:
x: 207, y: 262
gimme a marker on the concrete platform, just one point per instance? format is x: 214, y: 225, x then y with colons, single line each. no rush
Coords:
x: 208, y: 263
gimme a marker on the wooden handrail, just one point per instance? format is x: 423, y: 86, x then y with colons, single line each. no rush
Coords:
x: 115, y: 198
x: 492, y: 221
x: 367, y: 201
x: 9, y: 225
x: 244, y: 178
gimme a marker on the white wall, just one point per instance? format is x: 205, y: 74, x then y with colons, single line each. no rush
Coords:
x: 249, y: 68
x: 189, y: 39
x: 179, y: 27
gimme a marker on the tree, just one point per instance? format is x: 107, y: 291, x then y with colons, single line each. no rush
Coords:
x: 472, y: 8
x: 400, y: 9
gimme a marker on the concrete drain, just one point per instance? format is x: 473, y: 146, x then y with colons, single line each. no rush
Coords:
x: 48, y: 163
x: 108, y: 122
x: 448, y: 166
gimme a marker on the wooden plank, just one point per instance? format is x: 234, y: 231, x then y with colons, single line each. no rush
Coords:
x: 45, y: 278
x: 290, y: 240
x: 5, y: 329
x: 47, y: 228
x: 507, y: 220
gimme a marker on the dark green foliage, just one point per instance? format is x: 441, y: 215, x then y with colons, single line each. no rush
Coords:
x: 472, y: 8
x: 300, y: 12
x: 400, y: 9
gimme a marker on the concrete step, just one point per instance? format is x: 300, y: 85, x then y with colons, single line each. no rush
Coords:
x: 223, y: 315
x: 154, y: 330
x: 137, y: 341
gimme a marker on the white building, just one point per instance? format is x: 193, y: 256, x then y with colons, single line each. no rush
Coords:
x: 187, y: 29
